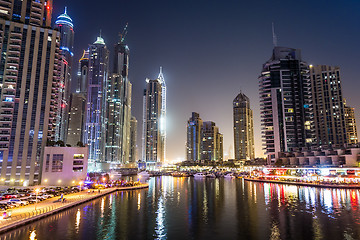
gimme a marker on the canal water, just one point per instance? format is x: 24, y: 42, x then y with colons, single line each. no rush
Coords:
x: 188, y: 208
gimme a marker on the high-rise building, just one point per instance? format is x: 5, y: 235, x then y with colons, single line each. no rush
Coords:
x: 30, y: 69
x: 328, y: 106
x: 78, y: 104
x: 243, y: 128
x: 350, y: 125
x: 286, y: 107
x: 154, y: 121
x: 30, y: 12
x: 76, y: 119
x: 95, y: 126
x: 212, y: 142
x: 119, y: 108
x: 133, y: 137
x: 194, y: 138
x: 65, y: 25
x: 83, y: 71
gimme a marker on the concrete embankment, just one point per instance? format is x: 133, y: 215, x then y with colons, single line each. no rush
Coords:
x: 342, y: 186
x: 24, y: 218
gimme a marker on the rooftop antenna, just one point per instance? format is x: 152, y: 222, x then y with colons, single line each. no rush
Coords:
x: 65, y: 10
x: 100, y: 32
x: 275, y: 39
x: 124, y: 33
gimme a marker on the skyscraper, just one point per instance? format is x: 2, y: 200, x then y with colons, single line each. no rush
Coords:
x: 133, y: 142
x: 117, y: 148
x: 286, y: 107
x: 35, y: 13
x: 78, y: 104
x: 194, y: 138
x: 65, y: 25
x: 154, y: 121
x: 30, y: 70
x: 350, y: 125
x: 328, y: 106
x: 243, y: 128
x: 95, y: 126
x: 212, y: 142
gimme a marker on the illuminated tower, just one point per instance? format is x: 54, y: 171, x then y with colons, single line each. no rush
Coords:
x: 194, y: 138
x: 243, y: 128
x: 117, y: 149
x: 30, y: 70
x: 65, y: 25
x: 212, y: 142
x: 154, y: 121
x: 133, y: 137
x: 78, y: 103
x: 95, y: 126
x: 350, y: 124
x: 286, y: 107
x: 328, y: 106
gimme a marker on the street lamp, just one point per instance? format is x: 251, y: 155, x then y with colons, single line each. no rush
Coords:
x: 37, y: 192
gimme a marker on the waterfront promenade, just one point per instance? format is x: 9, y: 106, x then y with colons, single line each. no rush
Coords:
x: 26, y: 214
x: 308, y: 184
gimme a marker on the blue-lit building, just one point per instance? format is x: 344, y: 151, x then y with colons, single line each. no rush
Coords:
x: 65, y: 25
x: 95, y: 126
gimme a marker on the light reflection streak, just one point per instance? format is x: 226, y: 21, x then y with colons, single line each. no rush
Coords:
x: 160, y: 220
x: 102, y: 207
x: 77, y: 222
x: 139, y: 201
x: 33, y: 235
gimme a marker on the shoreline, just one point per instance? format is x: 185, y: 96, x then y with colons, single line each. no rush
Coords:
x: 41, y: 213
x: 304, y: 184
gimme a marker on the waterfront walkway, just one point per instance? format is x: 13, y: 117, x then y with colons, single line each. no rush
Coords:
x: 26, y: 214
x: 321, y: 185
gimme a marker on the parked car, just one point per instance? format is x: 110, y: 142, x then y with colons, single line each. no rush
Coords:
x: 18, y: 201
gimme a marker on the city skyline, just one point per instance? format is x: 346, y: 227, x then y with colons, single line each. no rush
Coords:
x: 240, y: 53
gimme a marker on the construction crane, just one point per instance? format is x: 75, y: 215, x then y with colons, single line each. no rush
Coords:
x: 124, y: 33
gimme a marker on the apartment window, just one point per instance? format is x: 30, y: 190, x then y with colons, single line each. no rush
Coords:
x: 78, y: 169
x: 57, y: 163
x: 78, y: 162
x: 79, y: 156
x: 47, y: 163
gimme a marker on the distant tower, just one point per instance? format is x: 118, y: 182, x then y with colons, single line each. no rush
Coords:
x: 350, y: 124
x: 65, y: 25
x: 119, y: 108
x: 328, y: 106
x: 243, y: 128
x: 212, y: 142
x: 154, y: 121
x: 286, y: 108
x: 133, y: 137
x: 194, y: 138
x: 95, y: 126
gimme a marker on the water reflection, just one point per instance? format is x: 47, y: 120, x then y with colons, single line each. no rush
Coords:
x: 185, y: 208
x: 77, y: 223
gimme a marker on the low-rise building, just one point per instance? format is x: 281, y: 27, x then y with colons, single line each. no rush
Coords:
x: 348, y: 157
x: 64, y: 166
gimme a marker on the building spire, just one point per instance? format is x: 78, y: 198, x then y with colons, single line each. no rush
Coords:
x: 275, y: 39
x: 65, y: 10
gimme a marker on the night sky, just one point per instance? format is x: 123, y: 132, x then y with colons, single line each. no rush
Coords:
x: 210, y: 50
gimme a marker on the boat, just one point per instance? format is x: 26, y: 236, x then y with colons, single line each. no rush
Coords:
x: 210, y: 175
x: 144, y: 174
x: 199, y: 175
x: 229, y: 175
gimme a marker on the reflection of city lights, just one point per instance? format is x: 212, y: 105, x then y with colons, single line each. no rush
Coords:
x: 32, y: 235
x: 78, y: 216
x: 139, y: 201
x: 102, y: 205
